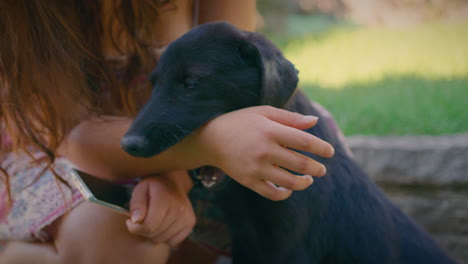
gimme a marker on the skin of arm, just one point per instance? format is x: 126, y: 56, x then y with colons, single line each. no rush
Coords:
x: 94, y: 145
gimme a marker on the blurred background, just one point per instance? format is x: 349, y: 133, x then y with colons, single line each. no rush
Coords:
x: 382, y: 67
x: 394, y: 74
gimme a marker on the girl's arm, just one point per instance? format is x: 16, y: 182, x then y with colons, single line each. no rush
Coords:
x: 94, y: 145
x: 248, y: 144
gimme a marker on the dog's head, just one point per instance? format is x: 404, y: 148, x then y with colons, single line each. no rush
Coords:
x: 211, y: 70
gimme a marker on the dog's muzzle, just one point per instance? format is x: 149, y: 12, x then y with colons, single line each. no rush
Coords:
x: 136, y: 146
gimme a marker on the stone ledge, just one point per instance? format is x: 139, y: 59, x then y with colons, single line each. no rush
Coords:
x: 428, y: 160
x: 427, y: 177
x: 443, y: 213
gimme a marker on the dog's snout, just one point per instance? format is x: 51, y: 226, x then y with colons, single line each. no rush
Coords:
x: 135, y: 145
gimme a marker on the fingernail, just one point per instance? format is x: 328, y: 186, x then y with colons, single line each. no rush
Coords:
x: 309, y: 118
x: 323, y: 171
x: 331, y: 152
x: 136, y: 216
x: 310, y: 179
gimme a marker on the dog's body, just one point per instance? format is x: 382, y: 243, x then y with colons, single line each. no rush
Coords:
x: 342, y: 218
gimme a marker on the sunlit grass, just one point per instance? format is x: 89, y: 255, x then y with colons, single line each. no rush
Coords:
x: 362, y: 54
x: 398, y: 105
x: 384, y: 81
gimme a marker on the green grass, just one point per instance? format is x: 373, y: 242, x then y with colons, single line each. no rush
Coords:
x: 399, y: 105
x: 385, y: 81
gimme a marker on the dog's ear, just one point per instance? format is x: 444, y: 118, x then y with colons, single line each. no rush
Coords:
x: 279, y: 76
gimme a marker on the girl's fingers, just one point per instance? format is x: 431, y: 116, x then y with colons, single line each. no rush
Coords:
x: 168, y: 224
x: 171, y: 224
x: 300, y: 140
x: 297, y: 162
x: 137, y: 229
x: 156, y: 215
x: 270, y: 191
x: 139, y: 203
x: 287, y: 118
x: 164, y: 236
x: 152, y: 223
x: 179, y: 237
x: 283, y: 178
x: 180, y: 216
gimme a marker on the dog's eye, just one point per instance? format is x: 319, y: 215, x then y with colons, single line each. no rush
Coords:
x: 190, y: 83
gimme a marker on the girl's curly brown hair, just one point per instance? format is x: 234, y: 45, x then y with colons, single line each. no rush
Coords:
x: 53, y: 70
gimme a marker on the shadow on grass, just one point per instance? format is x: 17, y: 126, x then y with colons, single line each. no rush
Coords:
x: 397, y: 105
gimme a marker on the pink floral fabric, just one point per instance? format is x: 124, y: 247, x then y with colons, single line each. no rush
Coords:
x: 35, y: 203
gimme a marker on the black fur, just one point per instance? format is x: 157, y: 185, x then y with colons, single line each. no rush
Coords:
x: 342, y: 218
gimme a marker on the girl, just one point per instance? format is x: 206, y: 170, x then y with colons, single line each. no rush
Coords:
x: 72, y: 76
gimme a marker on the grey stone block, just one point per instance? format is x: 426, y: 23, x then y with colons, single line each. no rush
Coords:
x: 427, y: 177
x: 413, y: 159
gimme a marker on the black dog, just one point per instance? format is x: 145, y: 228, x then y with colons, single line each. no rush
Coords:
x: 342, y: 218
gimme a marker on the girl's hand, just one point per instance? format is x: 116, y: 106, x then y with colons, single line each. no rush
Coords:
x: 161, y: 210
x: 251, y: 145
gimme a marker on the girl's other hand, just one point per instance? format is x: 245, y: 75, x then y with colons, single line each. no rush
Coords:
x: 161, y: 210
x: 251, y: 145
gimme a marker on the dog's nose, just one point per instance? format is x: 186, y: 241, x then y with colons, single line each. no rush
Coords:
x: 135, y: 145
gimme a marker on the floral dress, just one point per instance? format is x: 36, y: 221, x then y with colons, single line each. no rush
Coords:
x: 37, y: 198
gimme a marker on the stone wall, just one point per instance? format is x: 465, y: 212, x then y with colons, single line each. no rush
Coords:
x: 427, y: 177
